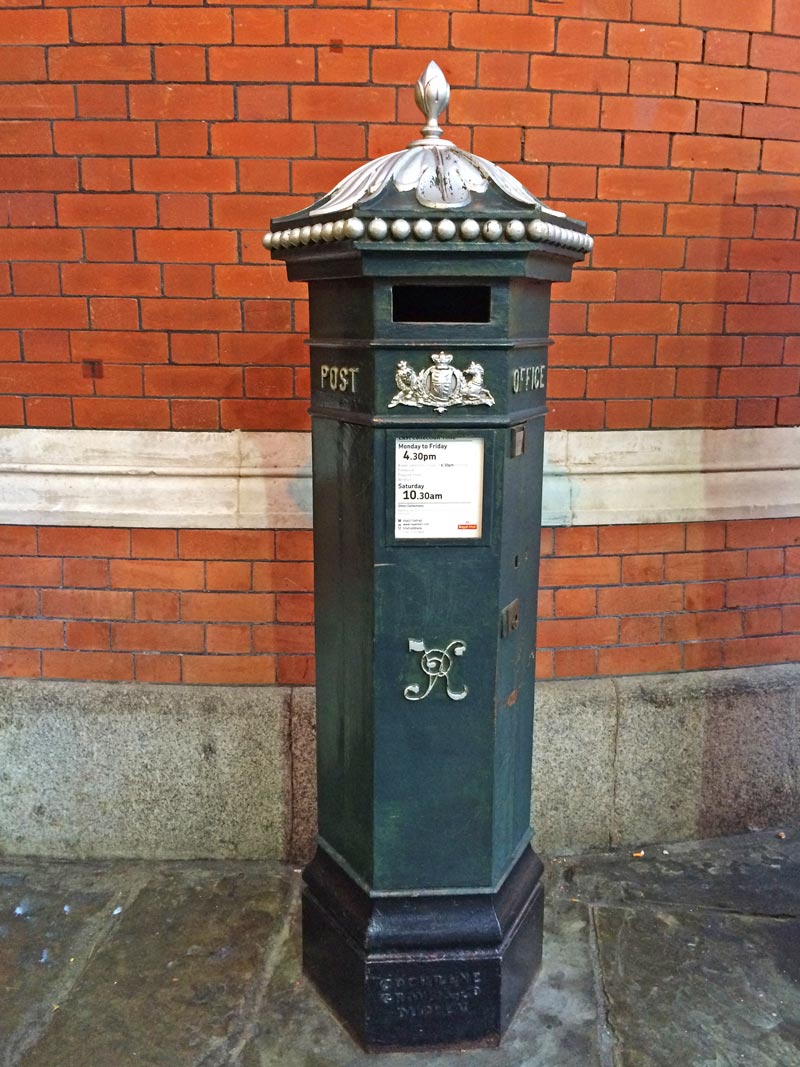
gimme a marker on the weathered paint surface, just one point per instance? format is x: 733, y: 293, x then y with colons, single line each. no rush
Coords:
x: 431, y: 793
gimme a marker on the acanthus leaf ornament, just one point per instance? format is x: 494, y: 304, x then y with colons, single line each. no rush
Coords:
x: 442, y: 176
x: 439, y: 176
x: 436, y: 663
x: 441, y: 386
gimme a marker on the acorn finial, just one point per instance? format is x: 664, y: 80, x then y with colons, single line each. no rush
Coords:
x: 432, y: 94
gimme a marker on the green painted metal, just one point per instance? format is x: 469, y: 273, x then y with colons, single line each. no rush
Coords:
x: 433, y: 794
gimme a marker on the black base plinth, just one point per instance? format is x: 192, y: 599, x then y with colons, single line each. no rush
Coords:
x: 405, y: 971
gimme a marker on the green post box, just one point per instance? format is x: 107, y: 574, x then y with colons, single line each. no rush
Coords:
x: 429, y: 274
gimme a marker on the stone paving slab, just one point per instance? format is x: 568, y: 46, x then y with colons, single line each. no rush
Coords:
x: 555, y: 1025
x: 178, y: 978
x: 50, y: 917
x: 688, y: 956
x: 700, y: 988
x: 756, y: 874
x: 698, y: 949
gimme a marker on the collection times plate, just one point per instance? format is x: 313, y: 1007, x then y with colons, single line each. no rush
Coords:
x: 438, y: 488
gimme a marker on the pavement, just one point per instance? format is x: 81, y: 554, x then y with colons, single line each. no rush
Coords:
x: 685, y: 956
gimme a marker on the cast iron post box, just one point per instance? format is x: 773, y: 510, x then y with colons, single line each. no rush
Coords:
x: 429, y: 274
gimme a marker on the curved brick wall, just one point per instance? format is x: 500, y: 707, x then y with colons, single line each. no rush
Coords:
x: 144, y: 148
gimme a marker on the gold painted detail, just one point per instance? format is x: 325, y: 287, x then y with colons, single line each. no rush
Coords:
x: 436, y: 663
x: 441, y: 386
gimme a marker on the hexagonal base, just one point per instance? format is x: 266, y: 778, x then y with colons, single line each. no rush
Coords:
x: 409, y: 971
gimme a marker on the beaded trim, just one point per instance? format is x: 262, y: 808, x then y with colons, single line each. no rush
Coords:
x: 421, y: 230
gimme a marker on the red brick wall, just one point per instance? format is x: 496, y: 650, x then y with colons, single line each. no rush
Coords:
x: 669, y: 597
x: 145, y: 148
x: 220, y: 606
x: 215, y: 606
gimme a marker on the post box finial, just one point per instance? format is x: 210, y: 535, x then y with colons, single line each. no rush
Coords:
x: 432, y: 94
x: 440, y: 177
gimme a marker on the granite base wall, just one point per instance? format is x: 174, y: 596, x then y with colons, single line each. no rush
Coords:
x: 161, y: 771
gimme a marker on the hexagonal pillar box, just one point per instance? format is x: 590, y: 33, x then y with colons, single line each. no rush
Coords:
x: 429, y: 274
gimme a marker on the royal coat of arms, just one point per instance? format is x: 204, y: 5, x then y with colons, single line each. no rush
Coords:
x: 441, y: 386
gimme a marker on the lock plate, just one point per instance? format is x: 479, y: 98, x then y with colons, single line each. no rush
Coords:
x: 509, y: 618
x: 517, y: 441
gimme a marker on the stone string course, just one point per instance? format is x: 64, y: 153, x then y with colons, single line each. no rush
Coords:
x: 226, y: 970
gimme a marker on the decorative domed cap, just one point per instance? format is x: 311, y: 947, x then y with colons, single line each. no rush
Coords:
x: 442, y: 178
